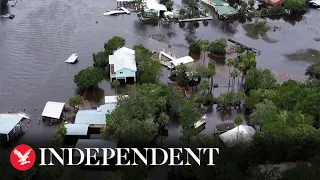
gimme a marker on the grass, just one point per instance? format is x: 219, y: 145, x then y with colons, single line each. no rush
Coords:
x: 309, y: 55
x: 317, y: 39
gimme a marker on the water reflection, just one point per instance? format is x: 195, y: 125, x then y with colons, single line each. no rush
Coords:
x: 190, y: 30
x: 95, y: 94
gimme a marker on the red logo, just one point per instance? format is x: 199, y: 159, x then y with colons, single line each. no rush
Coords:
x: 22, y: 157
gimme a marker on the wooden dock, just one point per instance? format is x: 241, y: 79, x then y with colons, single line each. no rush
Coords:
x: 196, y: 19
x: 251, y: 49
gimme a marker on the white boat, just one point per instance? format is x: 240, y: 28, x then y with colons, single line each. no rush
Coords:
x: 72, y: 59
x: 121, y: 10
x: 200, y: 122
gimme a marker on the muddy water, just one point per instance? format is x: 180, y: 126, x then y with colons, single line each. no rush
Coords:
x: 34, y: 45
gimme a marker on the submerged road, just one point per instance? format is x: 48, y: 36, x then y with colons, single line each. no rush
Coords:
x: 35, y: 44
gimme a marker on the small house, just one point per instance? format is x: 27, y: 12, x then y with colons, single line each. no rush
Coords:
x: 11, y: 125
x: 112, y: 99
x: 123, y: 64
x: 223, y: 127
x: 242, y: 133
x: 96, y: 118
x: 53, y: 110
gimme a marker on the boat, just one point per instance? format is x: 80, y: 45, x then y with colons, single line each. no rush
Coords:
x: 72, y: 59
x: 10, y: 16
x: 121, y: 10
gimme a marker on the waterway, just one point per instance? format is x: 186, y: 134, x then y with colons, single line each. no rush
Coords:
x: 34, y: 45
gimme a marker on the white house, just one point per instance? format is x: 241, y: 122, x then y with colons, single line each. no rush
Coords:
x: 242, y: 133
x: 123, y: 64
x: 154, y: 6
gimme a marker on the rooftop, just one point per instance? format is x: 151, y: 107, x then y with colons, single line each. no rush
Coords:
x: 183, y: 60
x: 154, y: 4
x: 225, y: 10
x: 53, y: 109
x: 123, y: 58
x: 223, y: 127
x: 77, y: 129
x: 241, y: 133
x: 218, y: 2
x: 8, y: 122
x: 95, y: 143
x: 112, y: 99
x: 94, y: 116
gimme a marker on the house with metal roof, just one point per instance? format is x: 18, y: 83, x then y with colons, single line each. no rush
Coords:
x: 239, y: 134
x: 123, y: 64
x: 112, y: 99
x: 10, y: 124
x: 95, y: 143
x: 53, y: 110
x: 94, y: 116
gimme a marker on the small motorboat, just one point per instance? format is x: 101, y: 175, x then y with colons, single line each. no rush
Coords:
x: 72, y: 59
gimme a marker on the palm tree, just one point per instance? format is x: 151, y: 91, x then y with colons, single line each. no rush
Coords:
x: 229, y: 64
x: 238, y: 121
x: 234, y: 75
x: 115, y: 84
x: 212, y: 70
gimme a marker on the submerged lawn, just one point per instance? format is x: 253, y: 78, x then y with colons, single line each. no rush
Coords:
x: 304, y: 55
x: 257, y: 30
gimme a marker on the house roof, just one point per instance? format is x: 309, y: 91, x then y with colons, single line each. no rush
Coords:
x: 94, y: 116
x: 241, y: 133
x: 154, y: 4
x: 53, y: 109
x: 225, y: 10
x: 183, y: 60
x: 123, y: 58
x: 8, y: 122
x: 223, y: 127
x: 95, y: 143
x: 218, y: 2
x: 112, y: 99
x: 77, y: 129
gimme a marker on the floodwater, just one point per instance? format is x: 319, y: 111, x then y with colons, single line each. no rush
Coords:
x: 34, y: 45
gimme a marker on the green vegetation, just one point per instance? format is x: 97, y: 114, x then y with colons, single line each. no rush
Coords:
x: 59, y: 136
x: 296, y: 6
x: 89, y: 77
x: 76, y: 101
x: 101, y: 59
x: 116, y: 84
x: 310, y: 55
x: 191, y: 10
x: 149, y: 70
x: 218, y: 47
x: 313, y: 71
x: 257, y: 29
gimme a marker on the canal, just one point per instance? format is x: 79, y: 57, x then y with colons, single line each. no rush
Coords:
x: 43, y: 34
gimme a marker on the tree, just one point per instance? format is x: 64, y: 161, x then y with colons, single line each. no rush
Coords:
x: 204, y: 45
x: 59, y: 136
x: 114, y: 43
x: 116, y: 84
x: 238, y: 121
x: 256, y: 96
x: 188, y: 116
x: 259, y: 78
x: 218, y: 47
x: 101, y: 59
x: 89, y: 77
x: 313, y: 71
x: 212, y: 72
x: 162, y: 121
x: 149, y: 70
x: 264, y: 113
x: 251, y: 3
x: 296, y: 6
x: 245, y: 62
x: 195, y: 47
x: 76, y: 101
x: 182, y: 76
x: 167, y: 3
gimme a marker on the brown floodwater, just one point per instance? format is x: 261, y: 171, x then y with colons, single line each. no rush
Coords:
x: 34, y: 45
